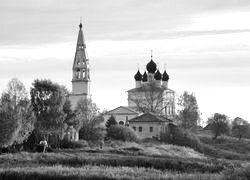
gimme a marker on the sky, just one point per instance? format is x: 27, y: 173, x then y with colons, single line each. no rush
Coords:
x: 204, y: 45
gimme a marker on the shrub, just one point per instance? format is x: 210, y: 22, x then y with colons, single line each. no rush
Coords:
x: 181, y: 137
x: 73, y: 144
x: 120, y: 132
x: 91, y: 132
x: 111, y: 121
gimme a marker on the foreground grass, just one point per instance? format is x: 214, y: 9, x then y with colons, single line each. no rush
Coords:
x: 78, y: 159
x: 97, y: 172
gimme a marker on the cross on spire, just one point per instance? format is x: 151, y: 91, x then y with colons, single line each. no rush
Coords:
x: 80, y: 25
x: 151, y: 54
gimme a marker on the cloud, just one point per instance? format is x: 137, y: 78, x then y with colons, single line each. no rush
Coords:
x: 29, y: 21
x: 168, y: 34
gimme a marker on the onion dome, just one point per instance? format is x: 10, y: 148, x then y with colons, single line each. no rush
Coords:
x: 145, y: 77
x: 151, y: 66
x: 138, y: 76
x: 165, y: 76
x: 158, y: 75
x: 80, y: 25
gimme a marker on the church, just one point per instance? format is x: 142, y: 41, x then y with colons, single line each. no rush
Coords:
x: 151, y: 104
x: 151, y: 92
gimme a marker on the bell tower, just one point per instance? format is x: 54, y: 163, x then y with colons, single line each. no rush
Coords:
x: 81, y: 73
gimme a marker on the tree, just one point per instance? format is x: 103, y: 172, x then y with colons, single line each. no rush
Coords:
x: 16, y: 116
x: 240, y: 128
x: 68, y: 112
x: 9, y: 122
x: 111, y: 121
x: 219, y: 124
x: 48, y: 99
x: 17, y: 91
x: 151, y: 98
x: 86, y: 111
x: 188, y: 114
x: 88, y: 119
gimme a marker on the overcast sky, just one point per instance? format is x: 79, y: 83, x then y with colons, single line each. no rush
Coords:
x: 204, y: 44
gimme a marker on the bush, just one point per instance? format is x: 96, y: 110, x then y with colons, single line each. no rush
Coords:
x: 181, y: 137
x: 91, y: 132
x: 73, y: 144
x: 120, y: 132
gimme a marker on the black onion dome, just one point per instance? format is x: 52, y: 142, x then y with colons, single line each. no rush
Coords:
x: 151, y: 66
x: 145, y: 77
x: 158, y: 75
x: 138, y: 76
x: 165, y: 76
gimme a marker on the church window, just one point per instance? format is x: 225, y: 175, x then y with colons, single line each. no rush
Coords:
x: 121, y: 123
x: 83, y: 73
x: 134, y: 128
x: 126, y: 118
x: 78, y: 73
x: 78, y: 62
x: 140, y: 129
x: 151, y: 129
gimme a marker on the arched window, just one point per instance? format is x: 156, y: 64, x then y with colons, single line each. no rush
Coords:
x: 121, y: 123
x: 83, y: 73
x: 78, y: 73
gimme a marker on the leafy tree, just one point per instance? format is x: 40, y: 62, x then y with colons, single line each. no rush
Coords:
x: 48, y: 100
x: 188, y: 114
x: 88, y: 121
x: 111, y: 121
x: 219, y: 124
x: 240, y: 128
x: 68, y: 112
x: 9, y: 122
x: 17, y: 91
x: 86, y: 111
x: 16, y: 116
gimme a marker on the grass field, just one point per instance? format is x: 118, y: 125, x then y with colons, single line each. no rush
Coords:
x: 121, y: 160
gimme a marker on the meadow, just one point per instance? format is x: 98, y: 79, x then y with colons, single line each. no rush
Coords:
x: 123, y: 160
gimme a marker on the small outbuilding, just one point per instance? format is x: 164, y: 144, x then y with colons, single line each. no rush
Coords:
x: 149, y: 125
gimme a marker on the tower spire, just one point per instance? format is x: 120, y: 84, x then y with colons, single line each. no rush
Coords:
x: 151, y: 53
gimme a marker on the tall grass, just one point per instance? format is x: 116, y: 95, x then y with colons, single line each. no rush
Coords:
x: 80, y: 159
x: 97, y: 172
x: 226, y: 147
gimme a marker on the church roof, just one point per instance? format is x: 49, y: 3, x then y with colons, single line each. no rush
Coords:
x: 80, y: 47
x: 122, y: 110
x: 150, y: 117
